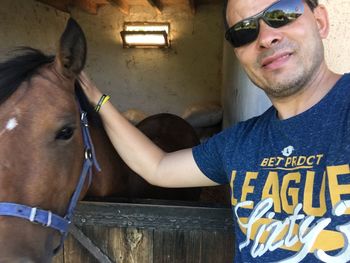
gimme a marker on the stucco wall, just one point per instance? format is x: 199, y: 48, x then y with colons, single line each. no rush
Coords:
x: 151, y: 80
x: 29, y: 23
x: 242, y: 100
x: 162, y: 80
x: 337, y: 49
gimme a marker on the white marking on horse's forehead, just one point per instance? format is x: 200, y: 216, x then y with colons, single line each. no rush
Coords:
x: 10, y: 125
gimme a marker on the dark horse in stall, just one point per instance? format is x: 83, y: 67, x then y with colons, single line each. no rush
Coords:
x: 116, y: 179
x: 44, y: 148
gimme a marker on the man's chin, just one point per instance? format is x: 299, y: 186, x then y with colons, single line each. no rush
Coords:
x: 282, y: 89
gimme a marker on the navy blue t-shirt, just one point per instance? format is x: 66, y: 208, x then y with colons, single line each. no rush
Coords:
x: 290, y: 181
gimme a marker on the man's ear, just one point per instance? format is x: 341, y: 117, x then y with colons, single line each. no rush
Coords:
x: 71, y: 55
x: 321, y: 16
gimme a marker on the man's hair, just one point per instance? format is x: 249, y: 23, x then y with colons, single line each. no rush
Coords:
x: 311, y: 3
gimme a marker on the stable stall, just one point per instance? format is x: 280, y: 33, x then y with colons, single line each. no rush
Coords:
x: 149, y: 231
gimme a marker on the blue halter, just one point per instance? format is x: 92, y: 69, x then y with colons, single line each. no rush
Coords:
x: 47, y: 218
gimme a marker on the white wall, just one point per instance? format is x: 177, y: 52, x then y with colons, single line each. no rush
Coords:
x: 162, y: 80
x: 337, y: 45
x: 29, y: 23
x: 151, y: 80
x: 155, y: 80
x: 242, y: 100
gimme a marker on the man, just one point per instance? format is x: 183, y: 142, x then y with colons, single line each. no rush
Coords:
x: 288, y: 168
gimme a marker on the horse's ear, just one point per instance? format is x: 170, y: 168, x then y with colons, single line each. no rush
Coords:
x: 72, y: 49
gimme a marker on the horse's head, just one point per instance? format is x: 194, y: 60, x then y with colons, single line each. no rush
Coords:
x: 41, y: 147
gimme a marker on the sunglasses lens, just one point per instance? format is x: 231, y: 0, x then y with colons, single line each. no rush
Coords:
x: 283, y: 12
x: 277, y: 15
x: 243, y: 32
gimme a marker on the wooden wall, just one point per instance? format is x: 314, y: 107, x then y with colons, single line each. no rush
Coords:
x: 144, y: 233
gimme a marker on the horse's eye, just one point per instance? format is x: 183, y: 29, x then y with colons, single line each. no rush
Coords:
x: 65, y: 134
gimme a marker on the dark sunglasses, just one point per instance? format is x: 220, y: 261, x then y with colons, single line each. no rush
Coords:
x: 276, y: 15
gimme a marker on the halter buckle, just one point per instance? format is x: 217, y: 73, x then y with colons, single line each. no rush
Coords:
x: 88, y: 154
x: 33, y: 214
x: 49, y: 219
x: 83, y: 118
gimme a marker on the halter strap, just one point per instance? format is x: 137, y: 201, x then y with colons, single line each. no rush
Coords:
x: 47, y: 218
x: 90, y: 159
x: 35, y: 215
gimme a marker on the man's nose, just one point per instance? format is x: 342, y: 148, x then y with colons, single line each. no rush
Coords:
x: 268, y: 36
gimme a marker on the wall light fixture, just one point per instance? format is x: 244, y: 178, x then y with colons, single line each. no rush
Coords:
x: 145, y: 34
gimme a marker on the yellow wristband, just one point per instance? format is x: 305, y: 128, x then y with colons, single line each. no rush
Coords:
x: 104, y: 98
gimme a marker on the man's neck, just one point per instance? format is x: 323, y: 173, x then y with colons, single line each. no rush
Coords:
x: 308, y: 96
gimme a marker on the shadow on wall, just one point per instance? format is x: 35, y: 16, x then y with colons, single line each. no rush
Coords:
x: 241, y: 99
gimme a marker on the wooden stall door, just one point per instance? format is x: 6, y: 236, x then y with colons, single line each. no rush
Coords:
x: 147, y: 234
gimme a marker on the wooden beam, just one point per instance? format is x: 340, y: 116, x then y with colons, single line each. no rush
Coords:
x: 157, y: 215
x: 122, y: 5
x: 90, y: 6
x: 193, y: 6
x: 156, y: 5
x: 60, y: 5
x: 185, y: 5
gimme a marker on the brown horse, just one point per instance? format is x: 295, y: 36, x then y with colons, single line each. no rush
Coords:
x: 44, y: 150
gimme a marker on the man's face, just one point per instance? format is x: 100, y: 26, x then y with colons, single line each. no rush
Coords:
x: 282, y: 60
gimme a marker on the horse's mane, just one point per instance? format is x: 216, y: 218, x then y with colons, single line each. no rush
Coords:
x: 23, y: 66
x: 93, y: 116
x: 20, y: 68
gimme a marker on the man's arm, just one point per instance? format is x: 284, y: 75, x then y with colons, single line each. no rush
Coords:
x: 176, y: 169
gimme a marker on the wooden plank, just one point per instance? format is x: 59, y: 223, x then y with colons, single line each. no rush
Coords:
x: 166, y: 233
x: 59, y: 257
x: 133, y: 245
x: 60, y: 5
x: 90, y: 6
x: 125, y: 245
x: 216, y: 247
x: 156, y: 5
x: 192, y: 4
x: 185, y: 5
x: 88, y: 244
x: 153, y: 216
x: 177, y: 246
x: 122, y: 245
x: 74, y: 252
x: 122, y: 5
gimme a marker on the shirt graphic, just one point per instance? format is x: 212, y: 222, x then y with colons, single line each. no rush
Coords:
x: 289, y: 220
